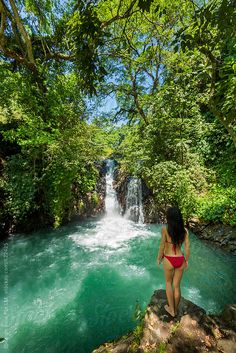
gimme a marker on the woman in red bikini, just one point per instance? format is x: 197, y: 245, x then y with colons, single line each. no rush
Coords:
x: 174, y: 262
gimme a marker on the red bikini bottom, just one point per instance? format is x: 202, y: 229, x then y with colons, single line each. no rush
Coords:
x: 176, y: 261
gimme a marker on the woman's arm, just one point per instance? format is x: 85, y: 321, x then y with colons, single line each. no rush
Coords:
x: 187, y: 247
x: 162, y: 247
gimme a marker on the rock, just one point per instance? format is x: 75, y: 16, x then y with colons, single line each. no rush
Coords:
x: 223, y: 236
x: 121, y: 346
x: 159, y: 325
x: 121, y: 185
x: 150, y: 210
x: 191, y: 331
x: 226, y: 346
x: 228, y: 315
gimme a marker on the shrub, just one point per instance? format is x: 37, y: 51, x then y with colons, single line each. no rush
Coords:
x: 219, y: 204
x: 172, y: 184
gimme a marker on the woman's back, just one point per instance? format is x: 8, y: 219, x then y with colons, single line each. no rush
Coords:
x: 170, y: 248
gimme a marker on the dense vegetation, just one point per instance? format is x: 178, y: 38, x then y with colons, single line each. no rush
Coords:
x: 170, y: 66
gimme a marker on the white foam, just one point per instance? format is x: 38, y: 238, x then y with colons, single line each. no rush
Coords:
x: 193, y: 294
x: 111, y: 232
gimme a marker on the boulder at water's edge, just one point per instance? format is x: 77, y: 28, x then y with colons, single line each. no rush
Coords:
x: 191, y: 331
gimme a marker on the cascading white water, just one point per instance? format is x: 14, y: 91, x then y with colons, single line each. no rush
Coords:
x: 111, y: 203
x: 134, y: 205
x: 113, y: 231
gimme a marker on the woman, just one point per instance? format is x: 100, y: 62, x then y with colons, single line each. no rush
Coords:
x: 174, y: 262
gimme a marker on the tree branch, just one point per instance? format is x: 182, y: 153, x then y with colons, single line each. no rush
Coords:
x: 60, y: 56
x: 23, y: 33
x: 136, y: 100
x: 2, y: 23
x: 127, y: 13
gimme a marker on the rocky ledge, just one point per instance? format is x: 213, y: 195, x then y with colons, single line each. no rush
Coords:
x: 191, y: 331
x: 221, y: 235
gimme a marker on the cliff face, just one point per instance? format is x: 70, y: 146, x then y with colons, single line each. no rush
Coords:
x: 191, y: 331
x: 151, y: 212
x: 221, y: 235
x: 89, y: 204
x: 92, y: 203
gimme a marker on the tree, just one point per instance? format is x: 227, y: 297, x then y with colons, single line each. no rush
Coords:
x: 212, y: 31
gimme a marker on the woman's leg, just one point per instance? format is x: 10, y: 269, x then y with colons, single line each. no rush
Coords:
x: 169, y: 272
x: 176, y: 282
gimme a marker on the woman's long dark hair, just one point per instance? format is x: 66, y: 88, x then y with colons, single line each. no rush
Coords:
x: 175, y: 226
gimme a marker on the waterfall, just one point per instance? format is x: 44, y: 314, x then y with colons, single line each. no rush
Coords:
x: 134, y: 206
x: 112, y: 231
x: 111, y: 203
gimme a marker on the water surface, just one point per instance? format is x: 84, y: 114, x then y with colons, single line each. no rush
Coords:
x: 72, y: 289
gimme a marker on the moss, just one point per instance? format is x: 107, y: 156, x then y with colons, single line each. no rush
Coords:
x: 137, y: 334
x: 81, y: 205
x: 162, y: 347
x: 57, y: 221
x: 95, y: 198
x: 174, y: 327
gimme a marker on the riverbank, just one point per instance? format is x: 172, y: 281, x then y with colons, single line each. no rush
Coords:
x: 191, y: 331
x: 220, y: 235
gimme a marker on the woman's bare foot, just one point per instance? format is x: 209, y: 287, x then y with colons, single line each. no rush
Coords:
x: 167, y: 308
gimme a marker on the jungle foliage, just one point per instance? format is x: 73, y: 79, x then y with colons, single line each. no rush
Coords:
x: 170, y: 66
